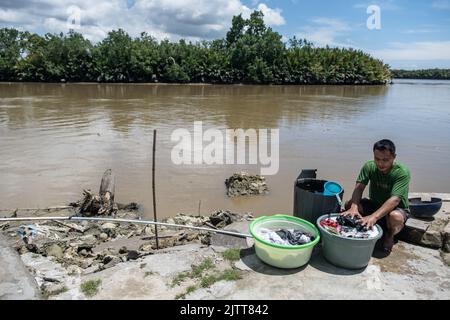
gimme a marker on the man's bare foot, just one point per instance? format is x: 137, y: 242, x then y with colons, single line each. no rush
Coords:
x: 388, y: 244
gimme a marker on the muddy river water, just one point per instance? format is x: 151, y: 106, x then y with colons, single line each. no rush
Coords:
x: 56, y: 139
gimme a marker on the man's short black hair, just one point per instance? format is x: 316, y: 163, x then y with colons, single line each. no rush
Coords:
x: 384, y: 144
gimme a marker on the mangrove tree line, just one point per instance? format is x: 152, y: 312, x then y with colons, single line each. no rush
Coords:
x: 251, y: 52
x: 436, y: 74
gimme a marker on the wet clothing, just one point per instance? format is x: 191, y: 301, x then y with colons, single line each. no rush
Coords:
x: 286, y: 237
x: 383, y: 186
x: 295, y: 237
x: 348, y: 227
x: 352, y: 222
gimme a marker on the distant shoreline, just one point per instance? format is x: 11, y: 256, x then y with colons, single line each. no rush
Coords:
x: 201, y: 83
x: 422, y: 74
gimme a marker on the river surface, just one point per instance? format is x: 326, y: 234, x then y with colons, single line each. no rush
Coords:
x: 57, y: 139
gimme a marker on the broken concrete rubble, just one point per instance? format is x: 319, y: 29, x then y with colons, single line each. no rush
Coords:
x: 432, y: 232
x: 90, y: 247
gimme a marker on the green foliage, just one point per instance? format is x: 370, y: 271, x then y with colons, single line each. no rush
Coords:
x: 227, y: 275
x: 90, y: 288
x: 437, y: 74
x: 206, y: 264
x: 112, y: 57
x: 232, y: 254
x: 10, y: 49
x: 55, y: 58
x: 183, y: 295
x: 196, y: 272
x: 174, y: 73
x: 206, y: 274
x: 251, y: 52
x: 47, y: 294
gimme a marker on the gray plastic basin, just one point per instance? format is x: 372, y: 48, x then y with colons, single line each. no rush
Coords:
x: 349, y: 253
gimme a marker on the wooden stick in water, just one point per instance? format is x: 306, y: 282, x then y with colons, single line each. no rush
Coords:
x: 153, y: 188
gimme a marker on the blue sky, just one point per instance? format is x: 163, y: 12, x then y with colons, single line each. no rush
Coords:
x: 413, y: 34
x: 411, y: 30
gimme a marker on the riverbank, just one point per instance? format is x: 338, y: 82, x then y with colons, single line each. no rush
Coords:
x: 56, y: 251
x: 227, y: 268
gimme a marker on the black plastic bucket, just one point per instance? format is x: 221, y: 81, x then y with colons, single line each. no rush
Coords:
x: 309, y: 201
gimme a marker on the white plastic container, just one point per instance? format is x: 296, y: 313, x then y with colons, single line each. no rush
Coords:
x: 283, y: 256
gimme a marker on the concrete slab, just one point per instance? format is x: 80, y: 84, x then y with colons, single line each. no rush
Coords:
x: 446, y: 232
x: 15, y: 280
x: 410, y: 272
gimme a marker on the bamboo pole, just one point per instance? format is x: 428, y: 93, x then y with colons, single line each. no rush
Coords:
x: 153, y: 189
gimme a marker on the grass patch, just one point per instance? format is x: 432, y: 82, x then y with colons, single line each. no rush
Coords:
x: 197, y: 272
x: 206, y: 264
x: 148, y: 273
x: 203, y: 278
x: 232, y: 254
x: 230, y: 275
x: 227, y: 275
x: 208, y: 281
x: 184, y: 294
x: 180, y: 278
x: 90, y: 288
x: 46, y: 294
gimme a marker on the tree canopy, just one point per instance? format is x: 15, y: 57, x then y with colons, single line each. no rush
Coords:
x: 437, y: 74
x: 251, y: 52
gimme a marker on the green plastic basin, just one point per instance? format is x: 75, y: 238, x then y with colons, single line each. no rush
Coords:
x: 282, y: 256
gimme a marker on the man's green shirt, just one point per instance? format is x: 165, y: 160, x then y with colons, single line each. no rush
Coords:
x: 383, y: 186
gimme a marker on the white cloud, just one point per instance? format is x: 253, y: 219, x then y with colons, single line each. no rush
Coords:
x: 388, y: 5
x: 420, y: 30
x: 325, y: 31
x: 173, y: 19
x: 441, y: 4
x: 272, y: 17
x: 415, y: 51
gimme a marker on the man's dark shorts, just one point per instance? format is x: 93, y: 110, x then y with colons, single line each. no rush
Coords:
x: 369, y: 207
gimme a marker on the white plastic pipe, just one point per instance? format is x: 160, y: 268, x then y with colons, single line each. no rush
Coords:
x: 74, y: 218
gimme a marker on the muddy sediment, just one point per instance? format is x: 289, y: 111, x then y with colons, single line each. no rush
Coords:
x: 244, y: 184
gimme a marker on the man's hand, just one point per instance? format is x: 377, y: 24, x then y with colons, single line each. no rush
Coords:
x: 351, y: 213
x: 369, y: 221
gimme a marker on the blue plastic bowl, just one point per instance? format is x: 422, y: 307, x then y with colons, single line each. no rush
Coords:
x: 424, y: 209
x: 332, y: 188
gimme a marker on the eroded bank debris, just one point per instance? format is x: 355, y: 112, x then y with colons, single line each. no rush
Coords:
x: 86, y: 247
x: 99, y: 245
x: 242, y: 184
x: 101, y: 203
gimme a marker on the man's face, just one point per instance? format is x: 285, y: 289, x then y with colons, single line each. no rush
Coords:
x: 384, y: 160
